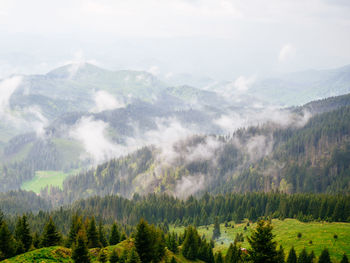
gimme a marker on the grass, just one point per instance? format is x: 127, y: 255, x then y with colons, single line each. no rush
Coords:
x: 320, y: 233
x: 62, y: 254
x: 45, y: 178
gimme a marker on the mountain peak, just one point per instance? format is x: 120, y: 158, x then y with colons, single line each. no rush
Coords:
x: 72, y: 70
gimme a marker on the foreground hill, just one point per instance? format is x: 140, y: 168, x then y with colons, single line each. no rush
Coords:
x: 62, y: 254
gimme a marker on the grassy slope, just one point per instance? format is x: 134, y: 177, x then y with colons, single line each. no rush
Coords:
x: 286, y: 233
x: 62, y: 254
x: 43, y: 179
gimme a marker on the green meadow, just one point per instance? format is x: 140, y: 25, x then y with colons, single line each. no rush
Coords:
x: 45, y: 178
x: 314, y: 236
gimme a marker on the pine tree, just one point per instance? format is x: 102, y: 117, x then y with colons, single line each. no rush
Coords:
x: 263, y: 248
x: 114, y: 258
x: 218, y: 258
x: 92, y: 235
x: 36, y: 240
x: 344, y: 259
x: 114, y: 236
x: 280, y: 255
x: 101, y: 235
x: 190, y: 244
x: 133, y: 257
x: 143, y: 242
x: 216, y: 230
x: 51, y: 237
x: 22, y: 232
x: 292, y: 256
x: 7, y: 248
x: 233, y: 254
x: 303, y: 257
x: 124, y: 257
x: 173, y: 260
x: 80, y: 253
x: 76, y: 226
x: 172, y: 243
x: 324, y: 258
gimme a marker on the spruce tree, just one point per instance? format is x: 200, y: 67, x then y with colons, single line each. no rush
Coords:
x: 190, y: 244
x: 7, y: 248
x: 143, y: 242
x: 124, y: 256
x: 114, y: 237
x: 22, y: 232
x: 292, y: 256
x: 92, y: 235
x: 51, y: 237
x: 133, y: 257
x: 344, y: 259
x: 233, y: 254
x: 280, y: 255
x: 114, y: 258
x: 303, y: 257
x: 80, y: 253
x: 216, y: 230
x: 76, y: 226
x: 263, y: 248
x: 324, y: 258
x: 101, y: 235
x: 218, y: 257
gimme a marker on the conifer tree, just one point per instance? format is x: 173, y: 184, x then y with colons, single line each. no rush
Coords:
x: 114, y: 237
x: 190, y: 244
x: 92, y: 235
x: 143, y: 242
x: 133, y: 257
x: 173, y: 260
x: 233, y: 254
x: 7, y: 248
x: 22, y: 232
x: 101, y: 235
x: 303, y: 257
x: 76, y: 226
x: 324, y: 258
x: 263, y: 248
x: 218, y: 257
x: 114, y: 258
x: 216, y: 230
x: 172, y: 243
x: 51, y: 237
x: 80, y: 253
x: 280, y: 255
x: 124, y: 257
x: 344, y: 259
x: 292, y: 256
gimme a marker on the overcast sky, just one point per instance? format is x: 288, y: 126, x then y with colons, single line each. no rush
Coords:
x: 221, y: 39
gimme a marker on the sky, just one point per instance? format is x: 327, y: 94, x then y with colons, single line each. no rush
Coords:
x: 219, y: 39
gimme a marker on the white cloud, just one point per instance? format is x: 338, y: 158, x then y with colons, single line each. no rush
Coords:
x: 7, y: 87
x: 154, y: 70
x: 105, y: 101
x: 243, y: 83
x: 286, y: 53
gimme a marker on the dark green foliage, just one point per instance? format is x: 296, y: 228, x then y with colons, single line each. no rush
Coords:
x: 102, y: 257
x: 216, y: 230
x: 114, y: 258
x: 133, y: 257
x: 292, y: 256
x: 190, y: 245
x: 76, y: 226
x: 22, y: 232
x: 101, y: 235
x: 172, y: 243
x: 92, y: 234
x: 219, y: 258
x: 280, y: 255
x: 114, y: 237
x: 324, y: 258
x: 51, y: 237
x: 263, y: 248
x: 124, y: 257
x: 7, y: 248
x: 80, y: 253
x: 234, y: 254
x: 173, y: 260
x: 344, y: 259
x: 304, y: 257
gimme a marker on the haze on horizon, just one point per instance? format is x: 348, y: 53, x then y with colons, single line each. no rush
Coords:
x: 221, y: 39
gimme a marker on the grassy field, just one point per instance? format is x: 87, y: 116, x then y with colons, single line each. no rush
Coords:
x: 62, y: 254
x: 321, y: 234
x: 45, y: 178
